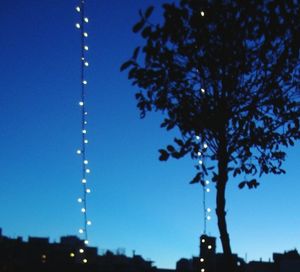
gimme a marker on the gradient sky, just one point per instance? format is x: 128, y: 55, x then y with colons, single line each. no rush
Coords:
x: 137, y: 202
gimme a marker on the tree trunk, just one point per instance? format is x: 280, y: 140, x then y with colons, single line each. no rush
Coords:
x: 221, y: 202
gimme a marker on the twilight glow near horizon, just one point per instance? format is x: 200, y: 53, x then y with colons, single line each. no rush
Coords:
x: 136, y: 202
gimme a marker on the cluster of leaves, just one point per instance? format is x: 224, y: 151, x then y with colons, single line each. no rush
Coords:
x: 231, y: 71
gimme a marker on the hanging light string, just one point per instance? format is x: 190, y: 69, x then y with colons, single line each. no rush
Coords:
x: 84, y: 141
x: 205, y: 183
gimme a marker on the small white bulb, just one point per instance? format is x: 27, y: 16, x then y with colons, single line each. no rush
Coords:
x: 83, y: 181
x: 208, y: 217
x: 84, y: 260
x: 207, y: 182
x: 80, y: 230
x: 86, y: 64
x: 198, y: 137
x: 202, y: 270
x: 208, y: 190
x: 72, y: 255
x: 88, y: 171
x: 86, y: 48
x: 88, y: 190
x: 85, y: 113
x: 199, y: 153
x: 84, y: 131
x: 84, y: 82
x: 208, y: 209
x: 86, y: 19
x: 86, y: 242
x: 85, y: 34
x: 81, y: 103
x: 81, y: 250
x: 89, y: 222
x: 77, y: 25
x: 203, y: 241
x: 202, y: 90
x: 82, y: 58
x: 79, y: 200
x: 200, y: 162
x: 205, y: 146
x: 78, y: 151
x: 78, y: 9
x: 83, y: 210
x: 201, y: 260
x: 85, y: 161
x: 86, y: 141
x: 209, y: 247
x: 85, y: 122
x: 202, y: 13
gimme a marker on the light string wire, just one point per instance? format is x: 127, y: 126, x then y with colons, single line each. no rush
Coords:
x: 205, y: 186
x: 82, y: 151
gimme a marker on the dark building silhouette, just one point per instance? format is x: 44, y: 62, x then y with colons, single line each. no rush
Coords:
x: 39, y: 255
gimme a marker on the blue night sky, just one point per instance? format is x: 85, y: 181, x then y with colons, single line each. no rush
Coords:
x: 137, y: 202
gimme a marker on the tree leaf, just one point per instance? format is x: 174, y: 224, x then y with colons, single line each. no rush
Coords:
x: 138, y: 26
x: 149, y: 11
x: 164, y: 155
x: 126, y: 64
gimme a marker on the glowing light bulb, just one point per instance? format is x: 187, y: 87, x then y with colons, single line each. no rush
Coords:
x: 86, y: 64
x: 202, y: 90
x: 72, y: 255
x: 84, y: 260
x: 85, y: 122
x: 84, y: 82
x: 199, y: 153
x: 202, y: 13
x: 82, y: 58
x: 86, y: 48
x: 77, y: 25
x: 83, y: 180
x: 207, y: 182
x: 85, y: 113
x: 89, y: 222
x: 81, y: 103
x: 85, y: 34
x: 78, y: 151
x: 202, y: 270
x: 86, y: 19
x: 200, y: 162
x: 209, y: 247
x: 208, y: 209
x: 208, y: 190
x: 79, y: 200
x: 86, y: 242
x: 80, y: 230
x: 203, y: 241
x: 81, y: 250
x: 86, y: 141
x: 78, y: 9
x: 205, y: 146
x: 88, y: 190
x: 84, y: 131
x: 198, y: 137
x: 88, y: 171
x: 201, y: 260
x: 83, y: 210
x: 208, y: 217
x: 85, y: 161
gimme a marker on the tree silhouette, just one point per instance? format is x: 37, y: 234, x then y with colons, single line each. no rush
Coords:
x: 226, y: 74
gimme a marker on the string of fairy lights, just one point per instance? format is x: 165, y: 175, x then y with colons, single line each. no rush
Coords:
x: 81, y: 26
x: 205, y: 186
